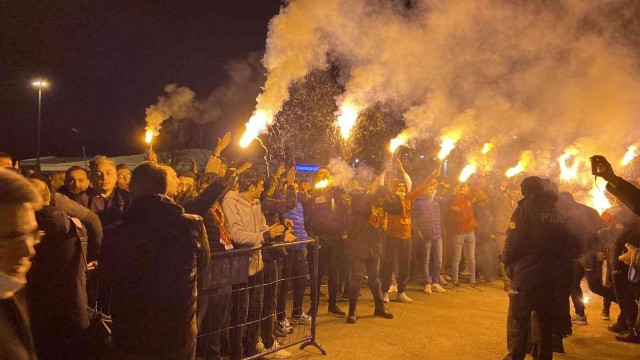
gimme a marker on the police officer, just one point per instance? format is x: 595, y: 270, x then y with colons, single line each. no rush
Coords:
x: 536, y: 242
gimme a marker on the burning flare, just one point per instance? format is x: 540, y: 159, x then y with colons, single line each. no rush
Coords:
x: 525, y: 158
x: 511, y: 172
x: 347, y: 119
x: 467, y: 172
x: 599, y: 200
x: 632, y: 152
x: 568, y: 172
x: 397, y: 141
x: 257, y: 124
x: 148, y: 136
x: 322, y: 184
x: 486, y: 148
x: 446, y: 147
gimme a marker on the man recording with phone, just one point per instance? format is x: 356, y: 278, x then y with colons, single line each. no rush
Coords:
x: 627, y: 292
x: 620, y: 188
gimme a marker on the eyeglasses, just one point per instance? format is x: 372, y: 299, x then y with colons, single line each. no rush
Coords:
x: 121, y: 176
x: 32, y: 238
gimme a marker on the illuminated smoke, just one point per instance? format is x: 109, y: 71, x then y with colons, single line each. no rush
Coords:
x: 555, y: 70
x: 178, y: 104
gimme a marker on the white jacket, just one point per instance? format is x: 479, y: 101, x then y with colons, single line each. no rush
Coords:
x: 246, y: 225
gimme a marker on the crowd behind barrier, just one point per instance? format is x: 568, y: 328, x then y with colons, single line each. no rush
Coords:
x: 204, y: 263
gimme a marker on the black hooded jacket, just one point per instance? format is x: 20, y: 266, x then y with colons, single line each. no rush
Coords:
x: 149, y: 264
x: 56, y: 290
x: 537, y: 242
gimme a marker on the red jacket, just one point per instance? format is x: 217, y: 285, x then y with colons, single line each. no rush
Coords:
x: 463, y: 221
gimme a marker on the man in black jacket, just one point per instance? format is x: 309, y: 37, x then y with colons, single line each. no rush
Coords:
x: 18, y: 234
x: 623, y: 190
x: 536, y: 243
x: 56, y: 288
x: 327, y: 219
x: 364, y: 246
x: 104, y: 198
x: 214, y: 288
x: 149, y: 264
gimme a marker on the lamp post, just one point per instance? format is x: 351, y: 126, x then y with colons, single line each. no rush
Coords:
x: 39, y: 84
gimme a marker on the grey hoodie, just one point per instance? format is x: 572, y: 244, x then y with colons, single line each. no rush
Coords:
x: 246, y: 225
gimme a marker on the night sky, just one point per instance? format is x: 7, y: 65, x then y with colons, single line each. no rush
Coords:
x: 108, y: 61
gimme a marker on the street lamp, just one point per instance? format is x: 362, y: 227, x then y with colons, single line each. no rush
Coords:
x: 39, y: 84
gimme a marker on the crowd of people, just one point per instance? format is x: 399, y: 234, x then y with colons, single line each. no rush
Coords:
x: 145, y: 248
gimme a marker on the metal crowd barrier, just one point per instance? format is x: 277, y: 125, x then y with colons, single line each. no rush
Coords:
x: 226, y: 292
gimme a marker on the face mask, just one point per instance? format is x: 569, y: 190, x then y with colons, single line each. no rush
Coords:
x: 9, y: 285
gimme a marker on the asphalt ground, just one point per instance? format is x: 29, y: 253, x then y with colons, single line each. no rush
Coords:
x: 455, y: 325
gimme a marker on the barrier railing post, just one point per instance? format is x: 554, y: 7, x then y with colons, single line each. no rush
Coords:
x: 314, y: 300
x: 233, y: 272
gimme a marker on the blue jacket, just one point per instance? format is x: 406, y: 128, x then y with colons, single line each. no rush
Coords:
x: 426, y: 217
x: 297, y: 216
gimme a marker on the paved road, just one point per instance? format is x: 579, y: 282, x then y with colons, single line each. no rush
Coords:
x: 466, y: 325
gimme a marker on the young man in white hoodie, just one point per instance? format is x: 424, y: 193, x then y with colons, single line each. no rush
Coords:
x: 248, y: 228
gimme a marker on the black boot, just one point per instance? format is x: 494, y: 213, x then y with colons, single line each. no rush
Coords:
x: 381, y: 310
x: 630, y: 336
x: 557, y: 345
x: 335, y: 310
x: 353, y: 314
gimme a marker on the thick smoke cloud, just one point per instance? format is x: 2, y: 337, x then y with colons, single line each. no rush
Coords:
x: 236, y: 94
x: 529, y: 75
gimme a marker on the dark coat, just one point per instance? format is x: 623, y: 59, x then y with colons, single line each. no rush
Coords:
x: 363, y: 239
x: 326, y: 213
x: 16, y: 342
x: 149, y: 263
x: 90, y: 221
x: 111, y: 210
x: 536, y: 244
x: 56, y: 286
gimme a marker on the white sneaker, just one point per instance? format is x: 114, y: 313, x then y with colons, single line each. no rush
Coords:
x: 438, y: 288
x: 280, y: 354
x: 303, y: 319
x: 385, y: 298
x: 393, y: 288
x: 427, y: 289
x: 579, y: 319
x: 403, y: 298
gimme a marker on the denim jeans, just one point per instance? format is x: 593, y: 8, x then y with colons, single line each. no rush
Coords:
x: 468, y: 239
x: 433, y: 250
x: 215, y: 305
